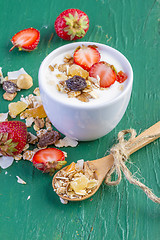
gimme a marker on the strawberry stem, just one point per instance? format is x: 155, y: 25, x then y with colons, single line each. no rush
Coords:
x: 12, y: 48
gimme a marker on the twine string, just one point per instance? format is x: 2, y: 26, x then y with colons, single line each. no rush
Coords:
x: 120, y: 153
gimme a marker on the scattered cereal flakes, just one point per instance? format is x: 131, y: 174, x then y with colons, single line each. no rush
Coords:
x: 31, y: 138
x: 48, y: 126
x: 29, y: 121
x: 16, y: 107
x: 62, y: 77
x: 9, y: 96
x: 73, y: 94
x: 3, y: 117
x: 66, y: 142
x: 84, y: 97
x: 63, y: 67
x: 26, y: 147
x: 21, y: 181
x: 51, y: 68
x: 6, y: 161
x: 63, y: 201
x: 24, y: 81
x: 18, y: 157
x: 15, y: 74
x: 36, y: 128
x: 39, y: 122
x: 121, y: 87
x: 93, y: 94
x: 28, y: 155
x: 41, y: 132
x: 36, y: 91
x: 1, y: 76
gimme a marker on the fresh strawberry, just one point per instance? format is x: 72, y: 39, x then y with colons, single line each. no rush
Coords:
x: 26, y: 39
x: 104, y: 72
x: 72, y: 24
x: 86, y: 56
x: 121, y: 77
x: 49, y: 159
x: 13, y: 137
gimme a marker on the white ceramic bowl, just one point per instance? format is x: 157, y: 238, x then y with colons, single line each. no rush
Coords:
x: 85, y: 121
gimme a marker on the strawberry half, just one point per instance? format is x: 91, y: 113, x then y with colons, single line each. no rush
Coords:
x: 72, y: 24
x: 104, y: 72
x: 26, y: 39
x: 86, y: 56
x: 48, y: 160
x: 13, y: 137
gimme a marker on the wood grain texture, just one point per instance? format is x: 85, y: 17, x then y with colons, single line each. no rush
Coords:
x: 122, y: 212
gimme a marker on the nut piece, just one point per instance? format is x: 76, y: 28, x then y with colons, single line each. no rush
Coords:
x: 24, y: 81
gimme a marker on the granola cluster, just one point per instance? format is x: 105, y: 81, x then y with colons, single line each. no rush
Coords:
x: 76, y: 180
x: 69, y: 70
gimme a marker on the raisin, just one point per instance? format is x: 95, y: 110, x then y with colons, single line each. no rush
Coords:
x: 76, y: 83
x: 48, y: 138
x: 9, y: 86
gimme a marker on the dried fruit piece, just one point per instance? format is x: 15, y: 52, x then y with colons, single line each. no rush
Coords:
x: 79, y: 184
x: 24, y: 81
x: 121, y: 77
x: 35, y: 112
x: 16, y: 107
x: 77, y: 70
x: 9, y: 86
x: 71, y: 167
x: 76, y: 83
x: 48, y: 138
x: 9, y: 96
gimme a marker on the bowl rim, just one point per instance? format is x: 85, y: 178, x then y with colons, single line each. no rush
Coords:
x: 84, y: 105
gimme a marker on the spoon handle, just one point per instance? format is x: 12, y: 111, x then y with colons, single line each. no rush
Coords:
x: 145, y: 138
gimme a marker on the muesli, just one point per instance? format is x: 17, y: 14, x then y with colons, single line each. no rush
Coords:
x: 75, y: 181
x: 84, y: 74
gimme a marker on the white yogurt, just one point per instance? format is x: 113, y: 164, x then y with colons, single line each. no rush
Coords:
x: 104, y: 95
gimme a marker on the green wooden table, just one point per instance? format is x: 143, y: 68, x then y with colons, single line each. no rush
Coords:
x: 121, y: 212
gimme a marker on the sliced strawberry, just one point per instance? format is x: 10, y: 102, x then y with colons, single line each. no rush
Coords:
x: 26, y: 39
x: 86, y: 56
x: 104, y: 72
x: 49, y: 159
x: 121, y: 77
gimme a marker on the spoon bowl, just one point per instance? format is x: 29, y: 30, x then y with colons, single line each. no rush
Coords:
x: 103, y: 165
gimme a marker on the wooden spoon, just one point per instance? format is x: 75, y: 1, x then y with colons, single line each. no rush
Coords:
x: 103, y: 165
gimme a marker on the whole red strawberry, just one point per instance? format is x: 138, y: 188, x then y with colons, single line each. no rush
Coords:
x: 49, y: 159
x: 26, y: 39
x: 72, y: 24
x: 13, y: 137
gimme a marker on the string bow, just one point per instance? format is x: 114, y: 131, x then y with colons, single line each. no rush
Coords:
x: 120, y: 153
